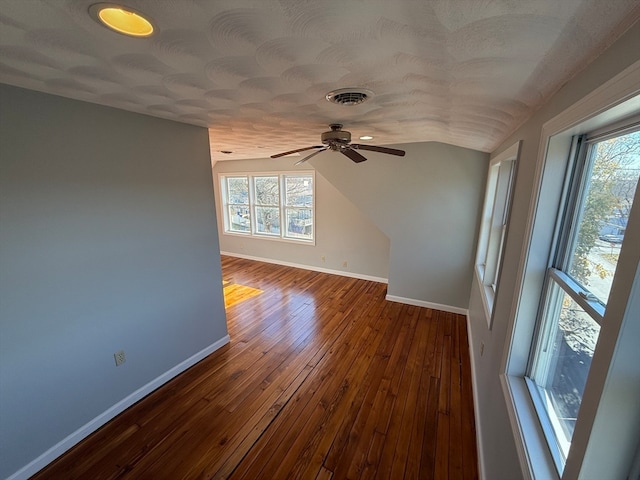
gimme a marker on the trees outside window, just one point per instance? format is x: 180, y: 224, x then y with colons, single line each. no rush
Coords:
x: 237, y: 203
x: 615, y: 167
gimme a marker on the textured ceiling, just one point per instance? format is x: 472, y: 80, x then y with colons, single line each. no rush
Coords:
x: 464, y: 72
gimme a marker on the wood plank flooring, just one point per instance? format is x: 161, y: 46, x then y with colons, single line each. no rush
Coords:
x: 323, y: 379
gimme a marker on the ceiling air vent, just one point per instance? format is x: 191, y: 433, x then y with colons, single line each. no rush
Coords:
x: 349, y: 96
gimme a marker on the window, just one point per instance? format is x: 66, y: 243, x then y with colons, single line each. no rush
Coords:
x: 237, y: 204
x: 494, y: 225
x: 571, y: 420
x: 266, y: 194
x: 298, y: 207
x: 601, y: 183
x: 269, y: 205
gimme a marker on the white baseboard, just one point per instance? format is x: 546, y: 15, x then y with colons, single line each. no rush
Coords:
x: 422, y: 303
x: 308, y: 267
x: 476, y: 409
x: 76, y: 437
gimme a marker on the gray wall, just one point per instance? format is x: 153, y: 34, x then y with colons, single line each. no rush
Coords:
x: 497, y: 438
x: 428, y: 203
x: 343, y: 233
x: 108, y: 241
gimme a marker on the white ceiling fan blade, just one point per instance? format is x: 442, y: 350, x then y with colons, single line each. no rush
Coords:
x: 295, y: 151
x: 309, y: 156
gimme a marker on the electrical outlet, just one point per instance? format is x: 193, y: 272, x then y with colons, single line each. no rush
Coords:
x: 344, y: 264
x: 120, y: 357
x: 481, y: 348
x: 323, y: 258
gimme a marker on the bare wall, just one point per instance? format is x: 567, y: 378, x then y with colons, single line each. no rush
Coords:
x: 428, y: 204
x: 108, y: 241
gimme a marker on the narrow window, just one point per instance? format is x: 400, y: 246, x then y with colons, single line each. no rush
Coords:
x: 267, y: 205
x: 494, y: 225
x: 299, y: 206
x: 237, y: 202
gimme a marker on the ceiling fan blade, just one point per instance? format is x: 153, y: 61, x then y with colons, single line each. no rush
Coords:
x: 296, y: 151
x: 374, y: 148
x: 309, y: 156
x: 352, y: 154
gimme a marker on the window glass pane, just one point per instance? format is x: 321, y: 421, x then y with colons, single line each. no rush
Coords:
x: 498, y: 223
x: 268, y: 220
x: 238, y: 190
x: 239, y: 220
x: 299, y: 191
x: 267, y: 191
x: 608, y: 196
x: 300, y: 223
x: 562, y: 362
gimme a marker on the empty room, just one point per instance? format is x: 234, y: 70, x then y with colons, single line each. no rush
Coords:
x: 283, y: 239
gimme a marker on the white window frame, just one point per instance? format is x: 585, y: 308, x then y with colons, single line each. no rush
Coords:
x: 595, y: 448
x: 255, y: 205
x: 227, y: 204
x: 287, y: 207
x: 253, y: 232
x: 494, y: 227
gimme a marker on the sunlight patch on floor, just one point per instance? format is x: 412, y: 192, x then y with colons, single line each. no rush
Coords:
x: 235, y: 293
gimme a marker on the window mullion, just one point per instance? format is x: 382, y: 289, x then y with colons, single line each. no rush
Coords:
x: 252, y: 204
x: 281, y: 205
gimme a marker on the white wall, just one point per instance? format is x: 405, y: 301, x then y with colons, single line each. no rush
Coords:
x: 108, y: 241
x: 428, y: 203
x: 500, y: 458
x: 343, y: 233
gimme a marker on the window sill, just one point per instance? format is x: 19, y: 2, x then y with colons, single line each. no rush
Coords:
x: 534, y: 455
x: 271, y: 238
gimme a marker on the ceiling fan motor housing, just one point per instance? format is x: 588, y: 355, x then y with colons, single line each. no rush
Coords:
x: 336, y: 135
x: 339, y: 140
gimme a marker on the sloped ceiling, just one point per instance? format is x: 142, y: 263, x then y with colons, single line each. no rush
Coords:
x: 256, y: 72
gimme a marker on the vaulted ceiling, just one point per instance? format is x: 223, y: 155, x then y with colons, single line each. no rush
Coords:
x: 256, y: 72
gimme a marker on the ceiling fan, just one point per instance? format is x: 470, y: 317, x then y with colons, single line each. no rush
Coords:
x: 339, y: 140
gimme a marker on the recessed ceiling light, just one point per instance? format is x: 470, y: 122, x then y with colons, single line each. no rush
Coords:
x: 366, y: 137
x: 122, y: 19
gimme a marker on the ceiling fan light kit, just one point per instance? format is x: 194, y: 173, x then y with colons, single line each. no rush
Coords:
x: 339, y: 140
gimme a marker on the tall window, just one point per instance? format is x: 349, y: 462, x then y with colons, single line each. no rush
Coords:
x: 570, y: 365
x: 494, y: 224
x: 601, y: 182
x: 298, y: 206
x: 269, y: 205
x: 237, y: 203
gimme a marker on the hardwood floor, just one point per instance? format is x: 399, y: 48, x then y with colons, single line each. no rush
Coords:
x: 323, y: 379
